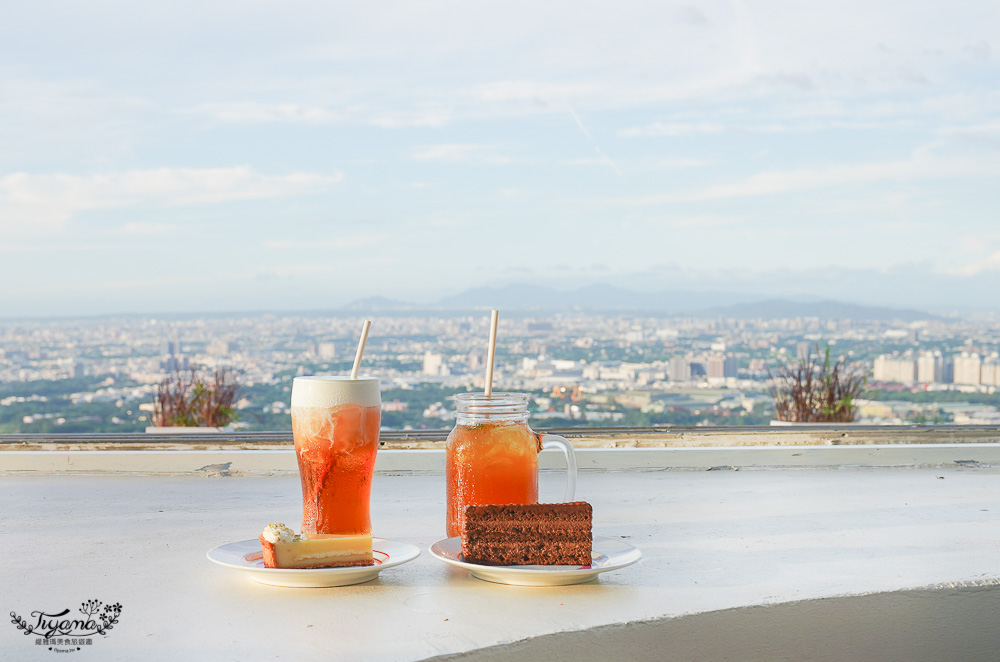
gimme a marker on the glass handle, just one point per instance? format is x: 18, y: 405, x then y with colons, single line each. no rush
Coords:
x: 555, y: 441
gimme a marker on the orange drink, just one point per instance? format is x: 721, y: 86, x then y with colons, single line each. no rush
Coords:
x: 335, y: 424
x: 492, y: 455
x: 489, y: 463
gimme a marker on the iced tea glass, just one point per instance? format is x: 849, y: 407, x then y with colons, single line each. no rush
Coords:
x: 335, y: 424
x: 492, y: 455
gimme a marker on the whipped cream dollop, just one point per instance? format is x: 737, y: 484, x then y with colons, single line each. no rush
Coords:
x: 278, y: 532
x: 333, y: 391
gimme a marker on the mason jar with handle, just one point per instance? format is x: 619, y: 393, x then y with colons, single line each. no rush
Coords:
x: 492, y: 455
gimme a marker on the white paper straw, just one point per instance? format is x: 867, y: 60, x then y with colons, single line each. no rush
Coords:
x: 361, y: 349
x: 494, y: 316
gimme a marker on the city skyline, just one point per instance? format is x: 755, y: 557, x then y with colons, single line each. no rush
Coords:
x: 579, y: 369
x: 259, y: 156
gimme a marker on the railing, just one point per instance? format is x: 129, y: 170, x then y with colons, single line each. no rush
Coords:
x: 619, y: 437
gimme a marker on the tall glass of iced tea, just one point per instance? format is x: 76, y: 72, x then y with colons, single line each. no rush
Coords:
x: 335, y: 423
x: 492, y: 455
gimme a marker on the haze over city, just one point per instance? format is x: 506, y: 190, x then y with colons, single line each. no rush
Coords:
x: 287, y: 156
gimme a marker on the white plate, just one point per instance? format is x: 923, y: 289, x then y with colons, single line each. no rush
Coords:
x: 608, y: 554
x: 247, y: 556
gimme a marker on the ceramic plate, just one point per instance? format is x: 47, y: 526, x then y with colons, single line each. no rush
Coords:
x: 608, y: 554
x: 247, y: 556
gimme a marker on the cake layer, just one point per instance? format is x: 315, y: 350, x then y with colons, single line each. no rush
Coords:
x: 499, y: 532
x: 528, y: 534
x: 573, y: 511
x: 541, y: 553
x: 283, y: 549
x: 501, y: 537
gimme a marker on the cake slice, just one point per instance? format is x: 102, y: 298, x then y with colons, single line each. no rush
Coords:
x: 284, y: 549
x: 528, y: 534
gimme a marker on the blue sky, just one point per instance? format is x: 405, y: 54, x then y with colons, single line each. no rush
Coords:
x: 191, y: 156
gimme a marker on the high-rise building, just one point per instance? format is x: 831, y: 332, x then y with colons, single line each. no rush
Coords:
x: 891, y: 368
x: 714, y: 366
x: 721, y: 366
x: 434, y: 365
x: 175, y: 364
x: 802, y: 351
x: 219, y: 348
x: 930, y: 367
x: 968, y: 369
x: 680, y: 369
x: 633, y: 335
x: 948, y: 371
x: 989, y: 371
x: 326, y: 350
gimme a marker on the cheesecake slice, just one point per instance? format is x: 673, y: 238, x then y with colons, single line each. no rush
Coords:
x: 284, y: 549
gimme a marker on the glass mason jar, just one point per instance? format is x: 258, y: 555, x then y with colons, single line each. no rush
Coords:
x: 492, y: 455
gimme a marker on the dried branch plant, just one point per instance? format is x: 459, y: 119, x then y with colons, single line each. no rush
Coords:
x: 186, y: 398
x: 811, y: 391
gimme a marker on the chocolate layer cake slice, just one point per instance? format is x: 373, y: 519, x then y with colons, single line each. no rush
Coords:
x: 528, y: 534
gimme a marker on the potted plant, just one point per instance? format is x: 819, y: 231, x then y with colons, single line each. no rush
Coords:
x: 189, y: 401
x: 811, y: 391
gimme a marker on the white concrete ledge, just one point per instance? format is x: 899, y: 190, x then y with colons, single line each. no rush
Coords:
x: 736, y: 543
x: 251, y: 462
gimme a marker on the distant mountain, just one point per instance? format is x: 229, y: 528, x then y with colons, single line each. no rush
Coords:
x: 609, y: 298
x: 509, y: 297
x: 591, y: 297
x: 378, y: 303
x: 785, y: 309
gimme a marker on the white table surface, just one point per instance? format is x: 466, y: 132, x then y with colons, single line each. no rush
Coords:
x: 711, y: 540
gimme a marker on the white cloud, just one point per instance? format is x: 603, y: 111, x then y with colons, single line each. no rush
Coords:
x: 665, y: 163
x: 987, y: 264
x: 691, y: 15
x: 283, y: 272
x: 588, y: 161
x: 356, y: 241
x: 987, y: 133
x: 259, y: 113
x: 769, y: 183
x: 426, y: 115
x: 512, y: 193
x: 798, y: 120
x: 695, y: 222
x: 149, y: 229
x: 672, y: 163
x: 658, y: 129
x: 970, y: 112
x: 249, y: 112
x: 185, y: 280
x: 460, y: 153
x: 30, y: 203
x: 446, y: 223
x: 978, y: 244
x: 531, y: 90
